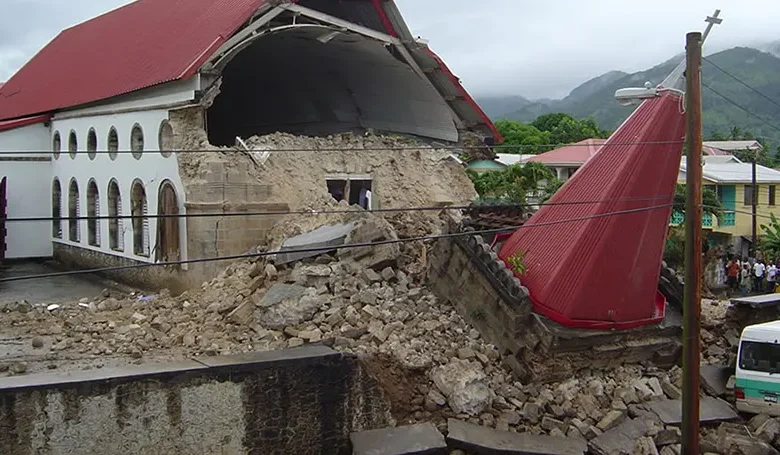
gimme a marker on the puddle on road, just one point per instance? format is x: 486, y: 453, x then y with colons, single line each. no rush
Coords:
x: 46, y: 290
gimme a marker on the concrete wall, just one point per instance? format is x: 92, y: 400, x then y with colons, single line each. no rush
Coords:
x: 301, y: 401
x: 28, y: 194
x: 152, y: 170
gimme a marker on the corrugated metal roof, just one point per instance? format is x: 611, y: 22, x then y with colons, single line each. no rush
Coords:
x: 6, y: 125
x: 714, y: 151
x: 508, y: 159
x: 574, y: 154
x: 734, y: 171
x: 735, y: 145
x: 142, y: 44
x: 602, y: 270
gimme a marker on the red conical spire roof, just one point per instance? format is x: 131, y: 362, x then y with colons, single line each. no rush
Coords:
x: 602, y: 270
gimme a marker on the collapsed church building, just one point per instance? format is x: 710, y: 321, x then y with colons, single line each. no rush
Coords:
x: 206, y: 108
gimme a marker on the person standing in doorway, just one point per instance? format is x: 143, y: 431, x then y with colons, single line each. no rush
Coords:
x: 758, y: 276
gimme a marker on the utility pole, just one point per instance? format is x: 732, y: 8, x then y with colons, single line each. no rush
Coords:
x: 754, y: 204
x: 693, y: 248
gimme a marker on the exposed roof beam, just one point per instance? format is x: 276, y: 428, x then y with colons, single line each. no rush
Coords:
x: 244, y: 34
x: 340, y: 23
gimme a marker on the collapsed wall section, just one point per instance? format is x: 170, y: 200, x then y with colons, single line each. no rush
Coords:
x: 283, y: 172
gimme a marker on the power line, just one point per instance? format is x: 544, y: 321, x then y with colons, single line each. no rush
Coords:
x: 331, y: 248
x: 482, y: 208
x: 740, y: 106
x: 742, y: 82
x: 421, y: 147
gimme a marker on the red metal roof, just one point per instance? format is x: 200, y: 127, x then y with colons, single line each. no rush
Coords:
x: 151, y: 42
x: 145, y: 43
x: 601, y: 271
x: 6, y: 125
x: 714, y: 151
x: 577, y: 153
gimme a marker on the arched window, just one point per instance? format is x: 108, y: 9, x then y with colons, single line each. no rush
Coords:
x: 56, y: 209
x: 56, y: 145
x: 91, y: 143
x: 93, y: 210
x: 167, y: 246
x: 137, y: 141
x: 73, y: 144
x: 112, y: 143
x: 115, y: 232
x: 140, y: 224
x: 73, y: 212
x: 166, y: 138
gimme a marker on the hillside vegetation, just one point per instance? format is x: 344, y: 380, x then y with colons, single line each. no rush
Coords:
x: 595, y: 98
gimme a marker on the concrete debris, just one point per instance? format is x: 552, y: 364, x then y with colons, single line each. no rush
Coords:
x: 464, y: 385
x: 420, y: 439
x: 480, y: 440
x: 372, y: 302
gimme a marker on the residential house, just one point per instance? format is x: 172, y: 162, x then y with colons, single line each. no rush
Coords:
x: 733, y: 146
x: 105, y: 136
x: 501, y: 162
x: 565, y: 161
x: 731, y: 179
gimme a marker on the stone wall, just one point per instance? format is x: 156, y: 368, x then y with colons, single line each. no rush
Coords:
x: 143, y: 277
x: 226, y: 193
x: 465, y: 272
x: 302, y: 401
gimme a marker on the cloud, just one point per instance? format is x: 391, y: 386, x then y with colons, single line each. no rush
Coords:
x: 534, y: 49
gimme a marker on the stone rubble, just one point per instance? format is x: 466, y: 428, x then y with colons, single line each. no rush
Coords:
x: 339, y: 300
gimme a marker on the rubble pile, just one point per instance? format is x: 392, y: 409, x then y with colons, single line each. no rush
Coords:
x: 371, y: 302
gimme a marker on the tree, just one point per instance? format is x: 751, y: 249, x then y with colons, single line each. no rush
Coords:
x: 710, y: 202
x: 771, y: 242
x: 522, y: 138
x: 565, y: 129
x: 514, y: 184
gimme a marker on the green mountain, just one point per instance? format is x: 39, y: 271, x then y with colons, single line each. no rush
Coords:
x: 760, y: 70
x: 498, y: 106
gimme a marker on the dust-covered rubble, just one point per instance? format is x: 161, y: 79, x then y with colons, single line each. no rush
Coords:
x: 384, y: 312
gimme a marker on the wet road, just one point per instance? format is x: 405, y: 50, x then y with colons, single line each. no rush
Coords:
x: 46, y: 290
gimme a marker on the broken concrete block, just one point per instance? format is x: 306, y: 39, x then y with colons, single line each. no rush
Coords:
x: 481, y: 440
x: 464, y: 386
x: 611, y: 420
x: 714, y: 379
x: 671, y: 390
x: 420, y: 439
x: 734, y: 438
x: 711, y: 410
x: 243, y: 313
x: 645, y: 446
x: 620, y: 439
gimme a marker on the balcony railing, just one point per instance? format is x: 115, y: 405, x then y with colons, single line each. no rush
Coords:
x: 708, y: 221
x: 727, y: 219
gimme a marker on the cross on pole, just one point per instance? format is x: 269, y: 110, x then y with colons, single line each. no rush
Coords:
x: 711, y: 22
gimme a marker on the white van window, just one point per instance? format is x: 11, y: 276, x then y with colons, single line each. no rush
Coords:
x: 756, y: 356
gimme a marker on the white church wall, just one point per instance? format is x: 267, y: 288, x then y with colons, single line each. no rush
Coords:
x: 28, y: 193
x: 150, y: 167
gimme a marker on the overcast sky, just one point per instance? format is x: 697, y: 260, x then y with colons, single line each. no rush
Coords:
x: 535, y: 49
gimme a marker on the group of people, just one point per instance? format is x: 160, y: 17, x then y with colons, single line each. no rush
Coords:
x: 752, y: 275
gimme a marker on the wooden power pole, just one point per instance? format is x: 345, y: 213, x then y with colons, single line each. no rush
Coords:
x: 693, y: 248
x: 754, y: 205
